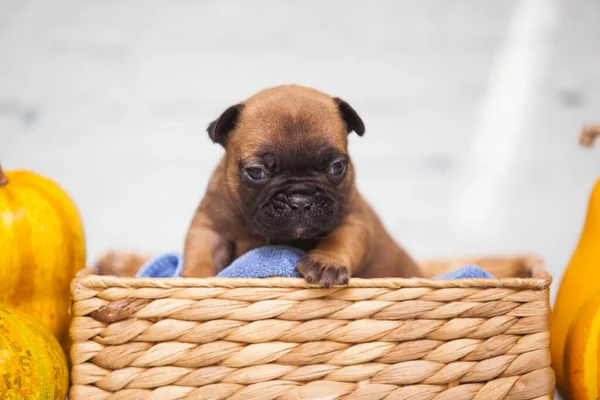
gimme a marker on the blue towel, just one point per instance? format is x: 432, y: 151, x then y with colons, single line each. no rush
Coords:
x: 466, y: 272
x: 264, y: 262
x: 167, y: 265
x: 267, y: 261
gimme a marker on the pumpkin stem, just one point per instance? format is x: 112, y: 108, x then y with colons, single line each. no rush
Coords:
x: 589, y: 135
x: 3, y: 178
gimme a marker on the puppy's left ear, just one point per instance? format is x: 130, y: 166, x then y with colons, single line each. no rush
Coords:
x: 219, y: 129
x: 350, y: 117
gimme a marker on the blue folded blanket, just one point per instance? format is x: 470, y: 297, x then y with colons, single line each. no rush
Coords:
x: 265, y: 262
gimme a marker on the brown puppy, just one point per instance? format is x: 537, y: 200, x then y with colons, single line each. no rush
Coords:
x: 287, y: 178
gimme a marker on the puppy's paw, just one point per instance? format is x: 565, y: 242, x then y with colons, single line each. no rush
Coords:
x: 323, y: 270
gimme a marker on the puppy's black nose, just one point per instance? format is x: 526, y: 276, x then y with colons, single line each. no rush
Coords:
x: 300, y: 202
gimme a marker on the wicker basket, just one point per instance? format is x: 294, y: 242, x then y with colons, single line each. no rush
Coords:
x: 279, y: 338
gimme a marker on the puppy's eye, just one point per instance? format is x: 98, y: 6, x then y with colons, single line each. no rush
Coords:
x: 337, y: 167
x: 255, y: 174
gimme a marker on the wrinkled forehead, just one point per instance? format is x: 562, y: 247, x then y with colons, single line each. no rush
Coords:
x: 311, y: 129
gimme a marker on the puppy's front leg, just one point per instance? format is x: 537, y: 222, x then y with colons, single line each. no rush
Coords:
x: 206, y: 251
x: 337, y: 255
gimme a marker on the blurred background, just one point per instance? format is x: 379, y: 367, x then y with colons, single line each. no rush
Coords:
x: 472, y: 108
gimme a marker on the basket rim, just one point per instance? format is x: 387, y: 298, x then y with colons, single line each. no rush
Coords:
x: 540, y: 279
x: 103, y: 282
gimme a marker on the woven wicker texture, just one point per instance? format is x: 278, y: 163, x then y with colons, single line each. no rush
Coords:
x: 281, y: 338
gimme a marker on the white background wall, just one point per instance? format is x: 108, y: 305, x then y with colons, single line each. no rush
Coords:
x: 472, y: 108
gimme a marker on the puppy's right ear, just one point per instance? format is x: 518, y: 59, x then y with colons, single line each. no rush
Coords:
x: 219, y: 129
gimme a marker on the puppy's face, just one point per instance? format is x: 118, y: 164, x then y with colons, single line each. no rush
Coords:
x: 288, y: 167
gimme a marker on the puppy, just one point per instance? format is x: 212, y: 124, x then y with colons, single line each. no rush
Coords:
x: 286, y: 178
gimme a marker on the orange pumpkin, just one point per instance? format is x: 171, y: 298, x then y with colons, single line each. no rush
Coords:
x: 582, y: 353
x: 41, y: 248
x: 580, y: 282
x: 32, y: 363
